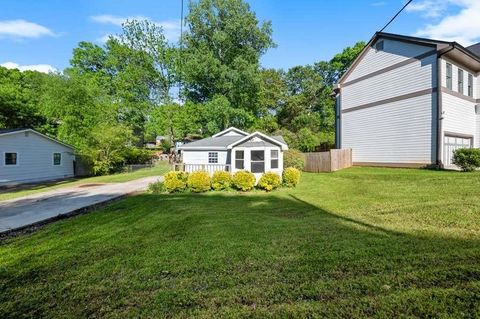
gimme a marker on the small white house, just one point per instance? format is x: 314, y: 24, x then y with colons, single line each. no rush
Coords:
x: 29, y: 156
x: 234, y: 150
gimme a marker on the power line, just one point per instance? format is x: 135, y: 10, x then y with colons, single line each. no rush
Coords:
x: 396, y: 15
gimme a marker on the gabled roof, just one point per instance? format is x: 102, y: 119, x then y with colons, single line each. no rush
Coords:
x: 220, y: 142
x: 475, y: 49
x: 442, y: 47
x: 230, y: 129
x: 19, y: 130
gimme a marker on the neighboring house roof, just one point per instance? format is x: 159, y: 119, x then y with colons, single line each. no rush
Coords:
x: 19, y: 130
x: 469, y: 56
x: 475, y: 49
x: 217, y: 142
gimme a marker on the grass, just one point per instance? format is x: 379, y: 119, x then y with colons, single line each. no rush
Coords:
x: 20, y: 191
x: 363, y: 242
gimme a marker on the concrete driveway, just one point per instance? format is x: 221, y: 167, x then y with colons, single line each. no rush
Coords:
x: 32, y: 209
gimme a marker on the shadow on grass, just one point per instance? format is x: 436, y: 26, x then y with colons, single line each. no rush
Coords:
x: 260, y: 255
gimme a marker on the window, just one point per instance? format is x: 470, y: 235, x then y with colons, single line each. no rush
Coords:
x: 379, y: 46
x: 57, y: 158
x: 257, y: 161
x: 10, y: 158
x: 449, y: 76
x: 274, y: 159
x: 470, y: 85
x: 460, y: 81
x: 239, y: 158
x: 212, y: 157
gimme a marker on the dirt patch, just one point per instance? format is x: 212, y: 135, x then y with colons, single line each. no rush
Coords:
x: 91, y: 185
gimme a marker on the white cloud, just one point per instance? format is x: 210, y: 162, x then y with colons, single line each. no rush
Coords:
x: 23, y: 29
x: 44, y: 68
x: 171, y: 28
x: 461, y: 25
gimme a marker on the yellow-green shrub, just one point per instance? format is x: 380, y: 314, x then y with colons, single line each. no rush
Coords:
x: 221, y: 180
x: 175, y: 181
x: 243, y: 180
x: 291, y: 177
x: 156, y: 187
x: 199, y: 182
x: 269, y: 181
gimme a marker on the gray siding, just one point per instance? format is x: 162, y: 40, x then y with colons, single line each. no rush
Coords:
x: 393, y: 52
x: 398, y: 132
x: 35, y: 159
x: 394, y: 127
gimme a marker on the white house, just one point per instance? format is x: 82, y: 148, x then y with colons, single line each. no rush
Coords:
x: 234, y: 150
x: 29, y: 156
x: 409, y: 101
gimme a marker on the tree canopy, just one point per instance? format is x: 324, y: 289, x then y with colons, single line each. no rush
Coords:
x: 114, y: 96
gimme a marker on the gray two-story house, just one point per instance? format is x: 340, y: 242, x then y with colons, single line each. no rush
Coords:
x: 409, y: 102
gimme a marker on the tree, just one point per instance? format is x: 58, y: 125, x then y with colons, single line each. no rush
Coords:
x: 223, y: 47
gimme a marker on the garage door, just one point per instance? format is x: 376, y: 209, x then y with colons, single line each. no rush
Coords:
x: 452, y: 143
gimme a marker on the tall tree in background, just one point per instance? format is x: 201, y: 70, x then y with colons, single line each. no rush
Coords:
x: 223, y: 47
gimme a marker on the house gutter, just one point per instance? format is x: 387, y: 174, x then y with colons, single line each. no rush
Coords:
x: 440, y: 53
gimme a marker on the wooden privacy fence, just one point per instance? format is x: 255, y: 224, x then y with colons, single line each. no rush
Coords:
x: 330, y: 161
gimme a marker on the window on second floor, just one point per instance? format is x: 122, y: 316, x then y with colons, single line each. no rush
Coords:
x: 470, y: 85
x: 449, y: 76
x: 460, y: 81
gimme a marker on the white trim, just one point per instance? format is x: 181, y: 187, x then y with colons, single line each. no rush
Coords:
x: 266, y: 137
x: 53, y: 159
x: 38, y: 133
x: 17, y: 162
x: 230, y: 129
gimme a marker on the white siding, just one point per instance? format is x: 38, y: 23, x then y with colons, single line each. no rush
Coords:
x: 35, y: 159
x: 268, y: 158
x: 455, y: 68
x: 201, y: 157
x: 393, y: 52
x: 413, y: 77
x: 458, y: 115
x: 398, y: 132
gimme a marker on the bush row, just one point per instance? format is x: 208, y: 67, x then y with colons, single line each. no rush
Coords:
x: 201, y: 181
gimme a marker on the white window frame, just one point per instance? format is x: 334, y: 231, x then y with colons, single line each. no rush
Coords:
x: 53, y: 159
x: 272, y: 158
x: 449, y: 75
x: 241, y: 159
x: 470, y: 85
x: 252, y: 161
x: 5, y: 159
x: 460, y: 83
x: 212, y: 157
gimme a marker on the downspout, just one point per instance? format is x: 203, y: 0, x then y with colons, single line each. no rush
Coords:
x: 338, y: 122
x: 439, y: 161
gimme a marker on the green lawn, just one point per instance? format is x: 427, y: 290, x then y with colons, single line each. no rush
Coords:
x: 363, y: 242
x: 159, y: 169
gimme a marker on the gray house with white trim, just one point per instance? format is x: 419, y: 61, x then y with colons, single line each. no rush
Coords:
x: 409, y: 102
x: 234, y: 150
x: 29, y: 156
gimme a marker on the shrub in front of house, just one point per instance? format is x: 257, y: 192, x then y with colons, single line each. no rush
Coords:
x: 156, y: 187
x: 291, y: 177
x: 269, y: 181
x: 221, y: 180
x: 293, y: 158
x: 175, y: 181
x: 243, y: 180
x: 468, y: 159
x: 199, y: 182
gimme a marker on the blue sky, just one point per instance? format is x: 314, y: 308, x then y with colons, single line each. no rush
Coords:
x: 41, y: 34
